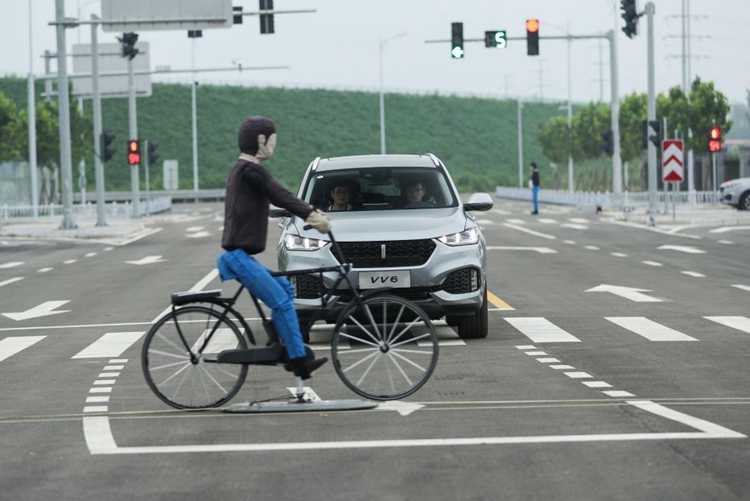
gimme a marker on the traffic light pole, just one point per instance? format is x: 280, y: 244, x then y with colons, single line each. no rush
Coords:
x: 650, y: 11
x: 520, y: 143
x: 97, y: 102
x: 64, y: 119
x: 133, y: 120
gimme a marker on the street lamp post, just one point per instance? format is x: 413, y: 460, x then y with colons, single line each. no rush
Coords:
x: 382, y: 99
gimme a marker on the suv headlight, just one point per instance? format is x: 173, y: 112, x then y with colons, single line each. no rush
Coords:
x: 467, y: 237
x: 298, y: 243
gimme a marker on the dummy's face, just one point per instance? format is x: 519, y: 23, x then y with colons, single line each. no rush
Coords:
x: 266, y: 147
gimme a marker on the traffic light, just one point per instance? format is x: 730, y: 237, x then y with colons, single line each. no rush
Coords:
x: 496, y: 39
x: 128, y: 41
x: 657, y: 137
x: 106, y: 151
x: 532, y: 37
x: 134, y: 152
x: 152, y: 155
x: 607, y: 143
x: 714, y: 143
x: 266, y: 20
x: 457, y: 40
x: 630, y: 15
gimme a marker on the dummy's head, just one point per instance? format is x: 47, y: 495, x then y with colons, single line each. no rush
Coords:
x: 257, y: 137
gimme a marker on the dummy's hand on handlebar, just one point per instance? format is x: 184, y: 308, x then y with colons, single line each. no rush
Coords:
x: 318, y: 220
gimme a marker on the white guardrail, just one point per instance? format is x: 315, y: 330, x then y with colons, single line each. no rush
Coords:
x: 606, y: 199
x: 19, y: 212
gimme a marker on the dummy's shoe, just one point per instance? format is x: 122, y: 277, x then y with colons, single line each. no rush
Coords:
x: 304, y: 367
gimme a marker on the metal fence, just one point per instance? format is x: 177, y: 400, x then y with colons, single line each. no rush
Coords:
x: 606, y: 199
x: 18, y: 213
x: 175, y: 195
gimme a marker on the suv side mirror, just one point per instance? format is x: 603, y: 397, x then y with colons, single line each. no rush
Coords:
x: 479, y: 201
x: 276, y: 212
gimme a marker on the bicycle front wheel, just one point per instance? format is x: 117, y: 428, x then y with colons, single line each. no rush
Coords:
x: 384, y: 349
x: 179, y: 358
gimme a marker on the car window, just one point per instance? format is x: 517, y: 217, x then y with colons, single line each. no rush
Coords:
x: 379, y: 189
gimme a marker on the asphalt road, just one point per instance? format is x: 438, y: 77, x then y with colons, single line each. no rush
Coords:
x: 635, y: 390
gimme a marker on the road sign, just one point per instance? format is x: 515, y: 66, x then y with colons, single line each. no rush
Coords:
x: 146, y: 15
x: 111, y: 61
x: 171, y: 174
x: 672, y: 161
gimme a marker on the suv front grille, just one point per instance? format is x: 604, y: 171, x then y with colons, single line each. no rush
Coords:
x: 397, y: 253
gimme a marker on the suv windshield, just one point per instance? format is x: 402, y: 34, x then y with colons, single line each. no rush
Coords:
x: 379, y: 189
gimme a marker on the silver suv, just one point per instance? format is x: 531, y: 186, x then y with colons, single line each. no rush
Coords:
x: 736, y: 193
x: 403, y: 226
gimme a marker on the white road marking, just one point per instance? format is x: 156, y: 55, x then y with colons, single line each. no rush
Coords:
x: 41, y: 310
x: 70, y: 261
x: 99, y: 439
x: 90, y: 254
x: 10, y: 265
x: 726, y: 229
x: 97, y: 400
x: 619, y: 254
x: 569, y: 242
x: 726, y: 242
x: 530, y: 232
x: 597, y: 384
x: 108, y: 375
x: 548, y: 360
x: 113, y: 367
x: 146, y: 232
x: 103, y: 389
x: 631, y: 293
x: 107, y: 249
x: 618, y: 394
x: 110, y: 345
x: 693, y: 274
x: 105, y: 382
x: 649, y: 329
x: 739, y: 323
x: 547, y: 220
x: 579, y: 220
x: 575, y: 226
x: 742, y: 287
x: 10, y: 281
x: 540, y: 250
x: 12, y: 345
x: 536, y: 353
x: 485, y: 221
x: 592, y: 247
x: 562, y: 367
x: 541, y: 330
x: 526, y: 347
x: 44, y: 270
x: 677, y: 229
x: 403, y: 408
x: 194, y: 228
x: 223, y: 339
x: 197, y: 287
x: 118, y: 361
x: 95, y: 408
x: 516, y: 221
x: 652, y: 263
x: 682, y: 248
x: 502, y: 212
x: 578, y: 375
x: 310, y: 395
x: 200, y: 234
x: 147, y: 260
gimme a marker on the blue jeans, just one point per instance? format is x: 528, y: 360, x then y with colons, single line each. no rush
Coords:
x: 535, y: 198
x: 276, y: 292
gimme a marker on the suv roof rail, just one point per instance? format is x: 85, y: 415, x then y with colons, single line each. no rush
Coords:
x: 435, y: 160
x: 315, y: 164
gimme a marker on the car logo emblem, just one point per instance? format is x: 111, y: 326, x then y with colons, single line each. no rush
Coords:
x: 382, y: 251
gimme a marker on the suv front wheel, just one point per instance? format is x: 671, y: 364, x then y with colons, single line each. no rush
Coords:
x: 471, y: 326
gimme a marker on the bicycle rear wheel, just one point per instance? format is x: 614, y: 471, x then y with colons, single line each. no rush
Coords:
x: 179, y: 358
x: 384, y: 349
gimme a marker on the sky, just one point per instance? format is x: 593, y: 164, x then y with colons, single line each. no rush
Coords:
x: 338, y: 46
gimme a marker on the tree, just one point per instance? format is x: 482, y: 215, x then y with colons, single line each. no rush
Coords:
x: 633, y: 112
x: 676, y: 109
x: 555, y: 139
x: 708, y: 108
x: 588, y: 125
x: 10, y: 130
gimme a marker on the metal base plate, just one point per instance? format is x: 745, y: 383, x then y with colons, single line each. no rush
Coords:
x: 293, y: 406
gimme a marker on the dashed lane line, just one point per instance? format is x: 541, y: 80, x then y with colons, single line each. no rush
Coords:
x: 13, y: 264
x: 652, y: 263
x: 530, y: 232
x: 10, y: 281
x: 694, y: 274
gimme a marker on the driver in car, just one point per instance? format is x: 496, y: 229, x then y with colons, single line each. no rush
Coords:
x: 414, y: 195
x: 250, y: 187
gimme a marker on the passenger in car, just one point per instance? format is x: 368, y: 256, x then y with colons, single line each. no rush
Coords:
x: 340, y: 197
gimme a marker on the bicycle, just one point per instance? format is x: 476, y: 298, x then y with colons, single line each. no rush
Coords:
x: 384, y: 347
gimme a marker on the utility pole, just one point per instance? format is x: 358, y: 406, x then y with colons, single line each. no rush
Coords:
x: 650, y: 11
x: 571, y: 185
x: 133, y: 121
x: 64, y: 118
x: 32, y: 124
x: 97, y: 105
x: 520, y: 143
x: 616, y: 158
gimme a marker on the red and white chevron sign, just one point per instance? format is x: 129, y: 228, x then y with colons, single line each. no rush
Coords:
x: 672, y: 161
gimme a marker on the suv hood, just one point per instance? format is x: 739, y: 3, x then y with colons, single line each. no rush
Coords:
x: 411, y: 224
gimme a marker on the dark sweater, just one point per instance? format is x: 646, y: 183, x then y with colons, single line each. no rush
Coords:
x: 250, y: 188
x: 535, y: 178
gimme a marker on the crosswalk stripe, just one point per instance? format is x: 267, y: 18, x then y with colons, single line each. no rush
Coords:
x: 739, y: 323
x: 112, y: 344
x: 742, y: 287
x: 223, y: 339
x: 541, y: 330
x: 649, y: 329
x: 12, y: 345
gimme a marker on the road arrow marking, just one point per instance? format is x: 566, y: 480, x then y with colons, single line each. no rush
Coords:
x: 682, y: 248
x: 200, y: 234
x: 631, y: 293
x: 540, y: 250
x: 403, y: 408
x: 42, y: 310
x: 147, y: 260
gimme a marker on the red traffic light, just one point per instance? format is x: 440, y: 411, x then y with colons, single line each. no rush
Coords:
x: 715, y: 133
x: 714, y: 144
x: 134, y: 152
x: 532, y: 25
